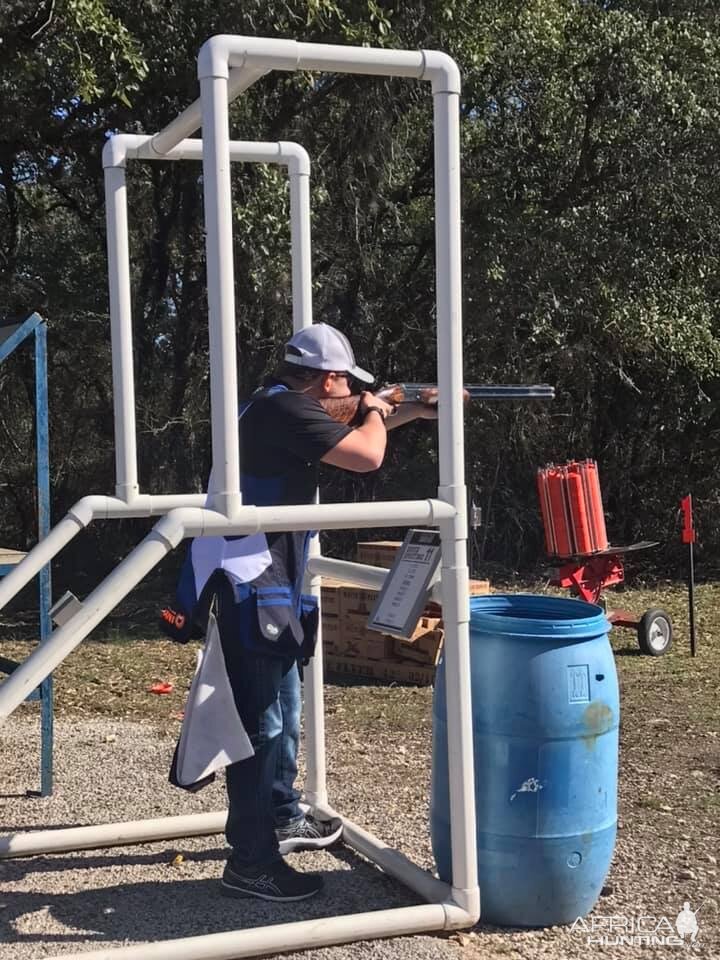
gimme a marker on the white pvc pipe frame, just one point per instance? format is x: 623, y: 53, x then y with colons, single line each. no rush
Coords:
x: 129, y: 502
x: 250, y: 58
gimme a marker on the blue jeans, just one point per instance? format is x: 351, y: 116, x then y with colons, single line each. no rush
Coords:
x: 285, y: 795
x: 261, y: 789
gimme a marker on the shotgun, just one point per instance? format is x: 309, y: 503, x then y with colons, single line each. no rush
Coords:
x: 345, y: 409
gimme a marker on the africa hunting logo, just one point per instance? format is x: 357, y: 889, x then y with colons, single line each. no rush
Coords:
x: 641, y: 931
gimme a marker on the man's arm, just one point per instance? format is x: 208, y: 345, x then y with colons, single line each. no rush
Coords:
x: 407, y: 412
x: 363, y: 449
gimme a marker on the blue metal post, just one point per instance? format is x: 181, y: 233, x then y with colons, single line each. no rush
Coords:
x: 42, y: 441
x: 35, y: 324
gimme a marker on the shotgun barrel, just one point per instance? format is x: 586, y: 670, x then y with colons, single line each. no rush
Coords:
x: 428, y: 392
x: 345, y: 409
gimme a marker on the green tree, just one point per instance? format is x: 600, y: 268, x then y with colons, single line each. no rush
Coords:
x: 590, y: 234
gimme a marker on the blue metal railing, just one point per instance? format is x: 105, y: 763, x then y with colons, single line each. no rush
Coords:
x: 36, y: 326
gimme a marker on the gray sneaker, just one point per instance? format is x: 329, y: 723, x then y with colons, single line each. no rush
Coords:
x: 309, y: 833
x: 275, y: 881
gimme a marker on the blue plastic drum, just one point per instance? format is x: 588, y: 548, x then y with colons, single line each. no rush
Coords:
x: 545, y: 727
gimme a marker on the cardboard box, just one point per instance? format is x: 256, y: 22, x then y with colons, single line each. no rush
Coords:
x: 355, y: 622
x: 330, y: 595
x: 346, y: 646
x: 356, y: 600
x: 338, y: 596
x: 378, y: 553
x: 376, y: 646
x: 479, y: 588
x: 381, y: 646
x: 425, y: 625
x: 349, y: 638
x: 330, y: 631
x: 383, y: 671
x: 425, y: 649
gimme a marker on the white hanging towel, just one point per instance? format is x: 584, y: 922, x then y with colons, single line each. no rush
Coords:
x: 213, y: 735
x: 245, y: 558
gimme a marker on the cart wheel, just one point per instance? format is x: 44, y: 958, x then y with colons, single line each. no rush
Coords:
x: 655, y: 633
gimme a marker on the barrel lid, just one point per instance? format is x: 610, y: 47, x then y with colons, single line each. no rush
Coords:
x: 536, y: 615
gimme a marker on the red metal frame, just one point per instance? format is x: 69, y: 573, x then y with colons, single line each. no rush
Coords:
x: 588, y: 577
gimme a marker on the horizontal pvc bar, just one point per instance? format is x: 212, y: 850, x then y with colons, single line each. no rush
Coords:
x: 281, y: 152
x: 361, y: 575
x: 312, y: 516
x: 303, y: 935
x: 94, y: 836
x: 373, y: 61
x: 198, y: 522
x: 77, y: 518
x: 249, y: 54
x: 31, y: 843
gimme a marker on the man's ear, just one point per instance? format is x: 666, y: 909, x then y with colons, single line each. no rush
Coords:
x: 326, y: 382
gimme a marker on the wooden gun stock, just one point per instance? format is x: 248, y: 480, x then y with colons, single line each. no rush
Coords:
x: 346, y: 409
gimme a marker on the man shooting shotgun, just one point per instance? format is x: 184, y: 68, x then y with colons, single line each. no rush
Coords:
x: 348, y: 409
x: 248, y: 590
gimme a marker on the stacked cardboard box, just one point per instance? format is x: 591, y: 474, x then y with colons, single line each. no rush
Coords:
x: 378, y: 553
x: 350, y: 649
x: 425, y: 645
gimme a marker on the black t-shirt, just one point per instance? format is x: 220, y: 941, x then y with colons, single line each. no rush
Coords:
x: 283, y: 437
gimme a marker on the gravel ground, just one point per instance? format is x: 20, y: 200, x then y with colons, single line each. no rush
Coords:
x: 115, y: 769
x: 109, y: 770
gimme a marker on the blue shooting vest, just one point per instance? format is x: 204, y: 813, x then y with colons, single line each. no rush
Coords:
x: 272, y: 615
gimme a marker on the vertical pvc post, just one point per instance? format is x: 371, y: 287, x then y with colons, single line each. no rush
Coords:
x: 455, y: 574
x: 224, y: 495
x: 314, y: 706
x: 42, y: 440
x: 126, y: 477
x: 314, y: 698
x: 300, y: 245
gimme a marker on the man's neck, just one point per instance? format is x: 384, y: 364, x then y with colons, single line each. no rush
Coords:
x: 300, y: 386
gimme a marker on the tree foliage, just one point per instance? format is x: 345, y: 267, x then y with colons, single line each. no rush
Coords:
x: 590, y: 231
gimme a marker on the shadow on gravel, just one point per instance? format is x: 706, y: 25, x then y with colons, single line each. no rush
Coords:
x: 13, y: 870
x: 156, y: 910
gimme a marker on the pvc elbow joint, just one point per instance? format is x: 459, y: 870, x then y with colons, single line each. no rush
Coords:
x: 115, y: 151
x: 296, y: 157
x: 252, y: 53
x: 441, y: 71
x: 214, y: 57
x: 86, y: 510
x: 122, y: 147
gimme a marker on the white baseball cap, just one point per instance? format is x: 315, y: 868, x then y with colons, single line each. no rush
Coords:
x: 322, y: 347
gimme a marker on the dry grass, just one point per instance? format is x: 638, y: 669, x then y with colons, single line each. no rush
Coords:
x: 109, y: 675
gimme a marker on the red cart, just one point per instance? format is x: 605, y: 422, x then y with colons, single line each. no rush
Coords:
x: 576, y: 539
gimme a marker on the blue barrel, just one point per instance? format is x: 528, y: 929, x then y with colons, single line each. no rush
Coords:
x: 545, y: 728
